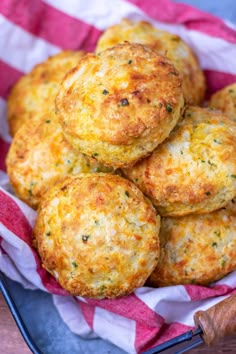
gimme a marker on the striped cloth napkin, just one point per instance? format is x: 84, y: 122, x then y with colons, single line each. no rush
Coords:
x: 30, y: 31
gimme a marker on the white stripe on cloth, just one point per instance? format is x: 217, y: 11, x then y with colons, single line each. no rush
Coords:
x: 8, y: 267
x: 117, y: 329
x: 4, y: 181
x: 174, y: 298
x: 22, y: 256
x: 99, y: 13
x: 230, y: 24
x: 71, y: 314
x: 229, y: 280
x: 21, y: 49
x: 211, y: 51
x: 175, y: 304
x: 4, y: 131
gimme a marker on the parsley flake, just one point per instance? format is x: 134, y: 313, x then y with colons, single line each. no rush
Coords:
x: 217, y: 141
x: 217, y: 233
x: 85, y: 238
x: 169, y: 108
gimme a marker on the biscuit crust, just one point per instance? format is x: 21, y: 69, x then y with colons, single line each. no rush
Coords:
x: 40, y: 155
x: 196, y: 249
x: 36, y: 91
x: 119, y: 105
x: 164, y: 43
x: 97, y: 235
x: 194, y: 170
x: 225, y: 100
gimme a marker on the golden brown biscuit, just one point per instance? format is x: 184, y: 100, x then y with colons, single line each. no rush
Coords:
x: 37, y: 90
x: 196, y: 249
x: 194, y: 170
x: 97, y: 235
x: 119, y: 105
x: 225, y: 100
x: 163, y: 43
x: 40, y: 155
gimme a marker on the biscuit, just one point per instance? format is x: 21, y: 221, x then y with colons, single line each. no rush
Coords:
x: 40, y: 155
x: 194, y: 169
x: 119, y: 105
x: 163, y: 43
x: 36, y: 91
x: 225, y: 100
x: 196, y: 249
x: 97, y: 235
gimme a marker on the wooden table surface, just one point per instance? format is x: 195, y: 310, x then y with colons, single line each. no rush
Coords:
x: 11, y: 341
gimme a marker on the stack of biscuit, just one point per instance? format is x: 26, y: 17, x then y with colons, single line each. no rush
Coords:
x: 133, y: 181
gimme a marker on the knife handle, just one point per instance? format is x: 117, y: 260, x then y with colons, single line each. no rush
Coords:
x: 218, y: 321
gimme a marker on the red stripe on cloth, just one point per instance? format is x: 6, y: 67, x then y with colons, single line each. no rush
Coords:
x: 217, y: 80
x: 4, y: 146
x: 190, y: 17
x: 148, y: 322
x: 233, y: 292
x: 15, y: 221
x: 9, y: 76
x: 197, y: 292
x: 45, y: 21
x: 151, y: 329
x: 145, y: 337
x: 88, y: 312
x: 131, y: 307
x: 47, y: 279
x: 168, y: 331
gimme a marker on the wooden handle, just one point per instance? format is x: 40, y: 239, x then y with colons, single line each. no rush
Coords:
x: 218, y: 321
